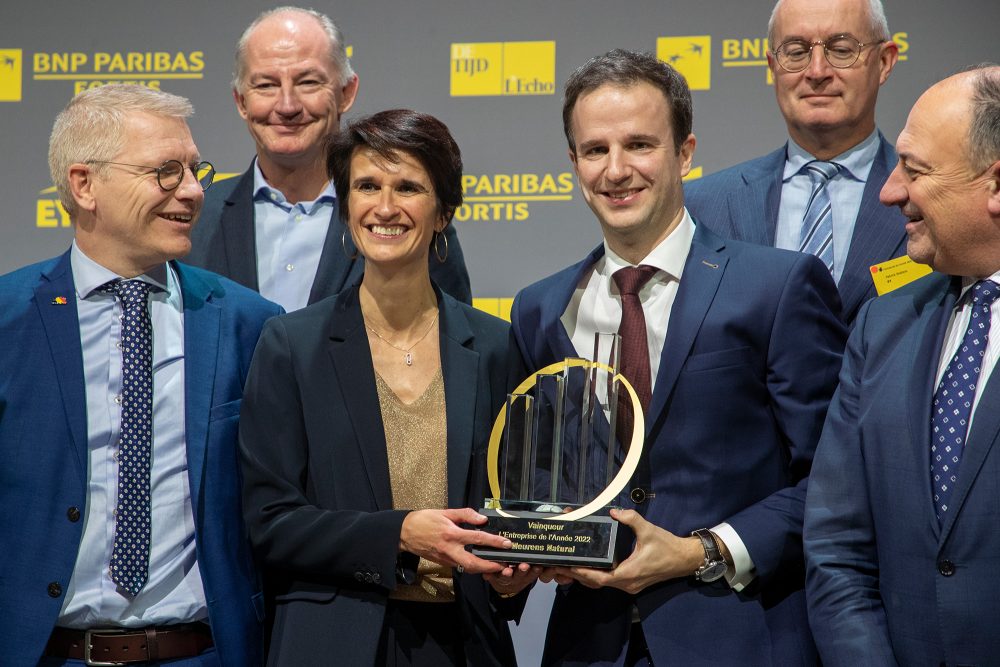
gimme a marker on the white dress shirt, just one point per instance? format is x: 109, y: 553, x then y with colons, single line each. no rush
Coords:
x: 596, y: 307
x: 173, y: 592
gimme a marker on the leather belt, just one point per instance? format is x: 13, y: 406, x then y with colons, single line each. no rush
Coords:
x: 125, y: 646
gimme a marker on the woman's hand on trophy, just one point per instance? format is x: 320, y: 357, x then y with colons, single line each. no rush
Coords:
x: 437, y: 535
x: 513, y: 578
x: 658, y: 555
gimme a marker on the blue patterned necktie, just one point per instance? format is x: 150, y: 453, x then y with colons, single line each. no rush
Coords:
x: 954, y: 396
x: 130, y: 555
x: 817, y: 224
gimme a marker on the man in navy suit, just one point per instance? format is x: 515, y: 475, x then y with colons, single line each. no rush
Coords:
x: 122, y: 531
x: 901, y: 520
x: 739, y: 348
x: 828, y: 59
x: 275, y: 227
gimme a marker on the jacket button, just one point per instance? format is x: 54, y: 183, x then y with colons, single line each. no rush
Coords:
x: 376, y: 578
x: 946, y: 567
x: 55, y: 590
x: 638, y: 495
x: 359, y: 576
x: 73, y: 514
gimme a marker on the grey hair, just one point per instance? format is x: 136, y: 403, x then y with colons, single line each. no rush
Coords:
x: 876, y: 18
x: 92, y: 127
x: 338, y: 52
x: 984, y: 127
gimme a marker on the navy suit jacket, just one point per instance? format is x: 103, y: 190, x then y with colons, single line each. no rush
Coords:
x: 748, y: 366
x: 887, y: 583
x: 224, y: 241
x: 318, y: 498
x: 43, y: 440
x: 742, y: 202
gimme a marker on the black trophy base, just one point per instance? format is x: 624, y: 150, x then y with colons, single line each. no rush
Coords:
x: 596, y: 541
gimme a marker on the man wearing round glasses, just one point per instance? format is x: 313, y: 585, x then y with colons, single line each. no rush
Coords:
x: 819, y: 192
x: 121, y: 374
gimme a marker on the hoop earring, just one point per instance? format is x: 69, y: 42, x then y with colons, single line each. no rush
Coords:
x: 437, y: 246
x: 343, y: 244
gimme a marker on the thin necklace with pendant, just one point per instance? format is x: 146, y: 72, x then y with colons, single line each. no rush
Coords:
x: 407, y: 351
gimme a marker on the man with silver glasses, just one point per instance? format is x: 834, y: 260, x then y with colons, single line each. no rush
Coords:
x: 121, y: 375
x: 818, y: 193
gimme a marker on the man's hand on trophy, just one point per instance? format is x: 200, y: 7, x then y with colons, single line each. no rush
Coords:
x: 437, y: 536
x: 513, y: 578
x: 658, y: 555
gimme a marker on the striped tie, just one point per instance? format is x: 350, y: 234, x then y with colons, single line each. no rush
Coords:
x: 817, y: 224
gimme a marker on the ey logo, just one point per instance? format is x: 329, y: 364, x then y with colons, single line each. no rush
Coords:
x: 10, y: 75
x: 691, y: 56
x: 503, y: 68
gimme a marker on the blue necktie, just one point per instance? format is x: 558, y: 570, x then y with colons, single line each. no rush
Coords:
x: 130, y: 555
x: 954, y: 396
x: 817, y: 223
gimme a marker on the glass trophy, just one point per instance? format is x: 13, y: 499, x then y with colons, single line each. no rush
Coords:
x: 565, y: 445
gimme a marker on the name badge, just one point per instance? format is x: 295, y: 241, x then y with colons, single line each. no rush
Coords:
x: 895, y: 273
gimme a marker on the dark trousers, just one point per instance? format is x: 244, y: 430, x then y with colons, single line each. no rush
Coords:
x: 421, y: 634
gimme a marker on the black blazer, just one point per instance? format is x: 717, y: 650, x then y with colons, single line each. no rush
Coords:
x: 317, y: 498
x: 223, y: 241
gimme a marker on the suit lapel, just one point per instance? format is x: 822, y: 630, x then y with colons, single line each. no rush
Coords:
x: 62, y: 331
x: 334, y: 268
x: 703, y: 271
x: 239, y: 237
x: 202, y: 320
x: 460, y: 368
x: 879, y: 235
x: 922, y: 384
x: 761, y: 192
x: 353, y: 370
x: 556, y: 338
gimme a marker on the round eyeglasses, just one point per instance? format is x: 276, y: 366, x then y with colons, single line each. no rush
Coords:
x: 170, y: 174
x: 841, y: 51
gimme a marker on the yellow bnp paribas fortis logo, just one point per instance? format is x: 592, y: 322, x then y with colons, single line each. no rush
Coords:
x: 691, y: 56
x: 503, y: 68
x: 10, y: 75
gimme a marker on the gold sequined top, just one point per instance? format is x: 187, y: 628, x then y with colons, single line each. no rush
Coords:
x: 415, y: 438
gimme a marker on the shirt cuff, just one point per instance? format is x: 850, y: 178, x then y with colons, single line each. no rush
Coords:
x: 743, y: 571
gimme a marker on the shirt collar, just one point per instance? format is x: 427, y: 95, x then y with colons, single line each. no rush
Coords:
x: 669, y: 256
x: 262, y: 192
x: 855, y: 162
x: 88, y: 275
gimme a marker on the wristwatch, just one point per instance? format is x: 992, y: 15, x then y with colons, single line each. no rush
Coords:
x: 714, y: 566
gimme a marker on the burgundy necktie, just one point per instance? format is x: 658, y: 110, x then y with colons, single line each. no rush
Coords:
x: 634, y: 363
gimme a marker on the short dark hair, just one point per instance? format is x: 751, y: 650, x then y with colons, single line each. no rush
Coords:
x: 627, y: 68
x: 984, y: 128
x: 389, y: 133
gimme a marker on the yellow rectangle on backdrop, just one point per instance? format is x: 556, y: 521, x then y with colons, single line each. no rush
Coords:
x: 477, y: 69
x: 529, y: 68
x: 691, y: 56
x: 895, y: 273
x: 10, y: 75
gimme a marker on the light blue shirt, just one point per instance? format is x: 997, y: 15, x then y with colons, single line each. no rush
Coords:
x: 173, y: 593
x: 289, y: 240
x: 845, y: 190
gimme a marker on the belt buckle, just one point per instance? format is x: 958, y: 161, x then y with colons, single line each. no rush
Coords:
x: 87, y: 634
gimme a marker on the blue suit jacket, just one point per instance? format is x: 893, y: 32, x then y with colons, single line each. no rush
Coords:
x: 748, y: 366
x: 224, y: 241
x: 318, y: 497
x: 43, y: 440
x: 886, y: 582
x: 741, y: 203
